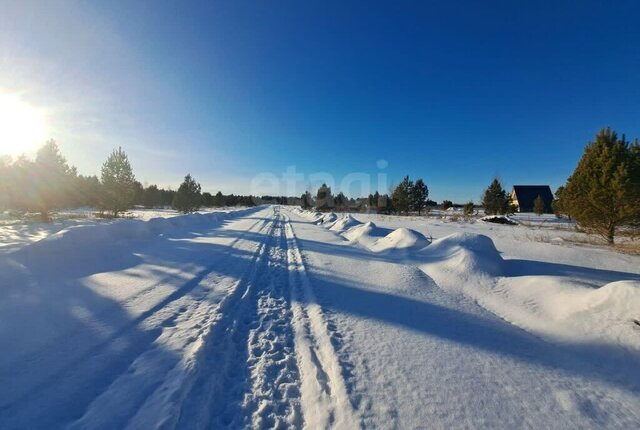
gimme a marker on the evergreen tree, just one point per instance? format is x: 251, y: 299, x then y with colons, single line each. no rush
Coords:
x: 152, y: 197
x: 496, y: 200
x: 377, y: 204
x: 87, y: 191
x: 53, y: 179
x: 446, y: 204
x: 118, y: 183
x: 385, y: 204
x: 341, y: 201
x: 306, y: 201
x: 558, y: 203
x: 218, y: 200
x: 324, y: 198
x: 419, y: 196
x: 138, y: 193
x: 469, y: 209
x: 538, y: 206
x: 402, y: 196
x: 188, y: 197
x: 207, y: 200
x: 23, y: 195
x: 603, y: 192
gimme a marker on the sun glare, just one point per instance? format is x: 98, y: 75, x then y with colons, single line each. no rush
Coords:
x: 22, y: 127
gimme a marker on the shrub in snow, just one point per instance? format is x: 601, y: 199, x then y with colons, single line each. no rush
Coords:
x: 469, y: 208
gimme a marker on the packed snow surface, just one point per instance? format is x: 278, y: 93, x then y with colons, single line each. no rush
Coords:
x: 270, y: 318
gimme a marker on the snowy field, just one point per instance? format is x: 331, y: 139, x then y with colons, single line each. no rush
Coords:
x: 15, y: 233
x: 277, y: 317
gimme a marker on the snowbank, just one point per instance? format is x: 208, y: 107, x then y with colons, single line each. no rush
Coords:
x: 328, y: 219
x: 466, y: 253
x: 84, y: 241
x: 355, y: 234
x: 559, y: 308
x: 370, y: 236
x: 400, y: 239
x: 564, y: 309
x: 344, y: 224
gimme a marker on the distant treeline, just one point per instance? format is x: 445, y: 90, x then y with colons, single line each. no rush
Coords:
x: 47, y: 183
x: 407, y: 196
x: 602, y: 195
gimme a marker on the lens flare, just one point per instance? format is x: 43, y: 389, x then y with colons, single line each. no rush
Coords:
x: 22, y: 126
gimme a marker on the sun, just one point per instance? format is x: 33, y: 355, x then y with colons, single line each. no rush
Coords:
x: 22, y: 126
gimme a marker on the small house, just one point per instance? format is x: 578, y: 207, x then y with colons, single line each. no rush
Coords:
x: 523, y: 197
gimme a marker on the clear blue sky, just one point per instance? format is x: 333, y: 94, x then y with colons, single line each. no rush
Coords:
x: 454, y: 92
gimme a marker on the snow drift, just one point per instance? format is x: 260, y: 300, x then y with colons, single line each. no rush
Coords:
x: 400, y: 239
x: 559, y: 308
x: 372, y: 237
x: 468, y: 253
x: 83, y: 242
x: 564, y: 309
x: 344, y: 224
x: 327, y: 219
x: 366, y: 230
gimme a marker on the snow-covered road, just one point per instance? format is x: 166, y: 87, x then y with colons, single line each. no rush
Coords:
x: 263, y: 319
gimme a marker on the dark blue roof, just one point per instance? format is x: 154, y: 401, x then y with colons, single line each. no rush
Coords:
x: 526, y: 195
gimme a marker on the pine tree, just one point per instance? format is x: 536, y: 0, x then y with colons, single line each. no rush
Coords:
x: 118, y: 181
x: 306, y: 200
x: 496, y: 200
x: 324, y: 199
x: 446, y: 204
x: 469, y: 209
x: 377, y: 204
x: 558, y: 204
x: 138, y: 193
x: 341, y: 201
x: 152, y: 197
x: 218, y: 199
x: 402, y: 196
x: 87, y: 191
x: 53, y: 179
x: 385, y: 204
x: 188, y: 197
x: 419, y: 195
x: 207, y: 200
x: 603, y: 192
x: 538, y: 206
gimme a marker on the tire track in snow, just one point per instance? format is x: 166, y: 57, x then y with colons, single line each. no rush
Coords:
x: 130, y: 389
x: 246, y: 374
x: 240, y: 368
x: 325, y: 402
x: 275, y: 394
